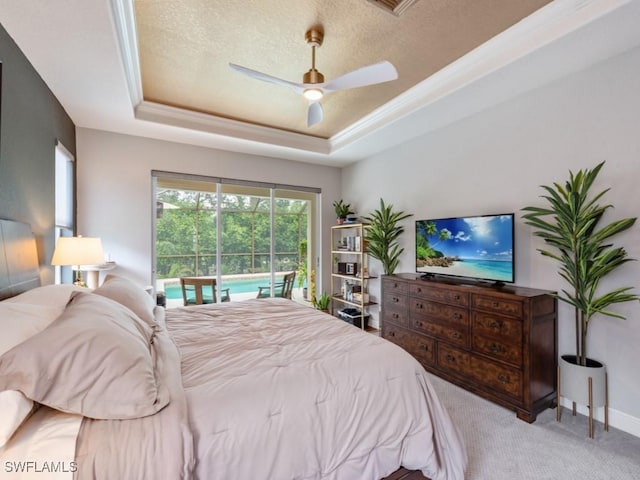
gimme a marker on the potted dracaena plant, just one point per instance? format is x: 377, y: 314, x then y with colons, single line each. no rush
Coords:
x: 382, y: 235
x: 585, y: 254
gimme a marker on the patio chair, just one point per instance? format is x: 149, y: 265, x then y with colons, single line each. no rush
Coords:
x: 201, y: 290
x: 282, y: 289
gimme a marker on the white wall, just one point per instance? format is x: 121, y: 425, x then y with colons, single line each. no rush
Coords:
x: 495, y: 161
x: 115, y: 193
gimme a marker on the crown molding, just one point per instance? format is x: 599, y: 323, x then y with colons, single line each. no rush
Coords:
x: 179, y: 117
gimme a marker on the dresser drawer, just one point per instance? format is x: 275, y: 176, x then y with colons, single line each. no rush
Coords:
x: 421, y: 347
x: 456, y: 335
x: 393, y: 286
x: 506, y: 352
x: 503, y: 306
x: 450, y: 296
x: 499, y: 378
x: 395, y: 309
x: 504, y: 328
x: 438, y: 311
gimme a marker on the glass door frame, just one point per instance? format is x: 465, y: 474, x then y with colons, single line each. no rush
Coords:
x: 312, y: 194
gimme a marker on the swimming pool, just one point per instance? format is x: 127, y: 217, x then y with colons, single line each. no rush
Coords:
x: 173, y: 291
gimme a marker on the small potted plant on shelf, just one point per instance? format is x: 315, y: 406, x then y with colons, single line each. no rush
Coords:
x: 342, y: 210
x: 322, y: 302
x: 585, y: 254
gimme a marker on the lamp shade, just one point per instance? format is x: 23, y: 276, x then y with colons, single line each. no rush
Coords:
x: 78, y: 251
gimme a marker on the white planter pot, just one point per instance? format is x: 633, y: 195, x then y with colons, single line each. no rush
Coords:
x: 574, y: 380
x: 585, y: 385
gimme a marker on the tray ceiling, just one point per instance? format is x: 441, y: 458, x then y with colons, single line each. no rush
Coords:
x: 185, y: 47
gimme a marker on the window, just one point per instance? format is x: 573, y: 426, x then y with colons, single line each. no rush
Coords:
x: 64, y: 221
x: 246, y: 234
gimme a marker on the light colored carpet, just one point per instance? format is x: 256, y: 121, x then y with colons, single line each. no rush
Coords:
x: 502, y: 447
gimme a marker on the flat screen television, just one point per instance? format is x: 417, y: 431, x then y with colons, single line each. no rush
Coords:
x: 478, y: 248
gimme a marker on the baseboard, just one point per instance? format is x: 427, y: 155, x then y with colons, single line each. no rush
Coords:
x: 617, y: 419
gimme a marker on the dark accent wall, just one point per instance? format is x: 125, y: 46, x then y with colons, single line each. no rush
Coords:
x: 31, y: 119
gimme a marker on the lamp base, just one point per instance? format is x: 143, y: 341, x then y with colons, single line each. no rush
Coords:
x: 79, y: 282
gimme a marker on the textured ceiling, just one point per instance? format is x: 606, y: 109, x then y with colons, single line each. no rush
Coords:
x: 185, y: 47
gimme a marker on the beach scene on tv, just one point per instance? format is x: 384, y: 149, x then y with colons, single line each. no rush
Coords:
x: 477, y: 247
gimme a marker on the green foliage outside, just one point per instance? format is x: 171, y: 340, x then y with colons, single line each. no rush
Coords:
x: 187, y: 236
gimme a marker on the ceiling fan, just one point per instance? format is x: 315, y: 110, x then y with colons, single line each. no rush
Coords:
x: 313, y: 86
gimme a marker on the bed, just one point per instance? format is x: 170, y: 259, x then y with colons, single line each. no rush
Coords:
x: 263, y: 388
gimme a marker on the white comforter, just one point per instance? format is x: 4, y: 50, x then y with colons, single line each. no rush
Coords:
x: 279, y: 391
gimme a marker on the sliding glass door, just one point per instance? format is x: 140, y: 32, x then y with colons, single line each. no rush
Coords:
x: 246, y: 235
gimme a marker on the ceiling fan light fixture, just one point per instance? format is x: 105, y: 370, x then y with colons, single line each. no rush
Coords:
x: 313, y: 94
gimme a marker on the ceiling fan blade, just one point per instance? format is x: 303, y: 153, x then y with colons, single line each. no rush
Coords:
x: 369, y: 75
x: 314, y: 114
x: 299, y: 88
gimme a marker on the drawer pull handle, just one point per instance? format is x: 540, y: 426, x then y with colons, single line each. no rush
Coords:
x: 457, y: 316
x: 423, y: 347
x: 450, y: 358
x: 496, y: 324
x: 395, y: 285
x: 456, y: 335
x: 418, y: 323
x: 503, y: 379
x: 392, y: 334
x: 419, y: 306
x: 494, y: 304
x: 396, y: 299
x: 456, y: 297
x: 395, y: 316
x: 495, y: 348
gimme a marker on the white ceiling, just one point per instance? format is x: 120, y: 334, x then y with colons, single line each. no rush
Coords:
x: 86, y: 52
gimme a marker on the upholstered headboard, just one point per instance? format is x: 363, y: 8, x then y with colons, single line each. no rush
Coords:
x: 19, y: 270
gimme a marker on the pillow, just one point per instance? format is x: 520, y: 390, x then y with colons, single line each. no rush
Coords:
x: 96, y: 359
x: 127, y: 293
x: 15, y: 408
x: 18, y: 323
x: 49, y: 295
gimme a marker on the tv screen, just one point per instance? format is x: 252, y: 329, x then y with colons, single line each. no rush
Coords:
x: 479, y: 247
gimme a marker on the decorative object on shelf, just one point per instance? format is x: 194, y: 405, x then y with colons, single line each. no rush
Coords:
x: 322, y: 302
x: 342, y: 210
x: 354, y: 317
x: 382, y: 236
x: 78, y: 252
x: 586, y: 255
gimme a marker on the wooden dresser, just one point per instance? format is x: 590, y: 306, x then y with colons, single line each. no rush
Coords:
x: 498, y: 342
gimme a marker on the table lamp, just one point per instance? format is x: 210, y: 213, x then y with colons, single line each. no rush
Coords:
x: 78, y: 251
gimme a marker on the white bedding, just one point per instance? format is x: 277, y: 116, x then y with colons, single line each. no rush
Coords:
x: 43, y: 448
x: 261, y: 389
x: 277, y: 390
